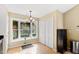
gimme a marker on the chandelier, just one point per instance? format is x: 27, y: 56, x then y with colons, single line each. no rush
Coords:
x: 30, y: 17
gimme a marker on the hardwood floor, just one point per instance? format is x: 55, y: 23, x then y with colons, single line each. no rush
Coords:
x: 36, y: 48
x: 14, y: 50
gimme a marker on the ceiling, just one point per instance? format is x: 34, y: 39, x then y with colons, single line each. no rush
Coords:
x: 38, y: 10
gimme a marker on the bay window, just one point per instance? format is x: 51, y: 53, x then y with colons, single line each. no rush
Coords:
x: 24, y: 29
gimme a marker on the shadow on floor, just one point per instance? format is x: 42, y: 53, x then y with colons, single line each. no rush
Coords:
x: 27, y: 46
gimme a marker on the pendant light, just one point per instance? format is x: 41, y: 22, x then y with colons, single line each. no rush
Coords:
x: 31, y: 18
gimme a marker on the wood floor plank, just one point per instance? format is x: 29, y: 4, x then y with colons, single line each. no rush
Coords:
x: 36, y: 48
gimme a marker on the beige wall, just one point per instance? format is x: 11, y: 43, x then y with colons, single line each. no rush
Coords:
x: 71, y: 21
x: 15, y: 15
x: 57, y: 18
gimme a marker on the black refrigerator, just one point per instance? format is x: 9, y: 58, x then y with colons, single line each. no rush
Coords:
x: 61, y: 40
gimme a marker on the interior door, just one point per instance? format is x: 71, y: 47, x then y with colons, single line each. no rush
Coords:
x: 50, y: 33
x: 46, y: 32
x: 42, y: 31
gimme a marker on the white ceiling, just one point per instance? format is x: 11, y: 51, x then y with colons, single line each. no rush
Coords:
x: 38, y: 10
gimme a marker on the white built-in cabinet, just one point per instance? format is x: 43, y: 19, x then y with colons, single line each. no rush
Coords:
x: 46, y: 32
x: 48, y: 26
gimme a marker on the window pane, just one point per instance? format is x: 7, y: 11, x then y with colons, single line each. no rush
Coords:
x: 25, y: 29
x: 33, y: 29
x: 15, y: 25
x: 25, y: 33
x: 15, y: 29
x: 15, y: 34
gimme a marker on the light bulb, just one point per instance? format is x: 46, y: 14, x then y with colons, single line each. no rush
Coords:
x: 31, y: 18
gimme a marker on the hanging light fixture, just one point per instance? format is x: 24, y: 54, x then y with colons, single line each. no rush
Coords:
x: 31, y: 18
